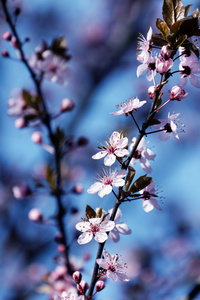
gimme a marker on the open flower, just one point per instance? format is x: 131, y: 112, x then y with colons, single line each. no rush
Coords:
x: 149, y: 68
x: 120, y: 228
x: 144, y: 46
x: 129, y: 106
x: 115, y: 269
x: 115, y: 147
x: 69, y: 296
x: 148, y: 196
x: 106, y: 182
x: 169, y: 127
x: 142, y: 154
x: 96, y: 228
x: 189, y: 67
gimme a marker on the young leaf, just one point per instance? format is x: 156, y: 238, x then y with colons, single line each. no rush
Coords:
x: 158, y: 40
x: 30, y: 100
x: 180, y: 41
x: 187, y: 8
x: 129, y: 177
x: 50, y: 177
x: 90, y: 213
x: 173, y: 10
x: 99, y: 213
x: 140, y: 183
x: 162, y: 27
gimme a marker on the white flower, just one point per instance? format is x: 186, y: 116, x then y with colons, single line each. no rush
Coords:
x: 94, y: 227
x: 143, y: 154
x: 148, y: 196
x: 106, y: 182
x: 144, y: 46
x: 115, y: 269
x: 169, y: 127
x: 69, y: 296
x: 119, y: 226
x: 115, y: 147
x: 149, y: 68
x: 129, y: 106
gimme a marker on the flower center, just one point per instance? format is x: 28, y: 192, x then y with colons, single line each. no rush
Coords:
x: 152, y: 66
x: 167, y: 127
x: 112, y: 268
x: 146, y: 195
x: 107, y: 180
x: 94, y: 228
x: 137, y: 154
x: 186, y: 71
x: 53, y: 68
x: 111, y: 150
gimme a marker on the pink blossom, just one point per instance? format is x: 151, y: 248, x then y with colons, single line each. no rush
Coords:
x: 162, y: 65
x: 149, y: 68
x: 189, y: 67
x: 115, y: 148
x: 35, y: 215
x: 148, y: 196
x: 107, y: 181
x: 67, y: 105
x: 113, y: 265
x: 142, y: 154
x: 21, y: 190
x: 144, y: 45
x: 166, y: 52
x: 71, y: 295
x: 177, y: 93
x: 100, y: 285
x: 96, y: 228
x: 37, y: 137
x: 169, y: 127
x: 82, y: 287
x: 151, y: 90
x: 129, y: 106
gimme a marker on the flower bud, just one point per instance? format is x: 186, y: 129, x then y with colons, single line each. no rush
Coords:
x: 151, y: 92
x: 67, y: 105
x: 14, y: 42
x: 78, y: 189
x: 61, y: 248
x: 177, y: 93
x: 82, y: 141
x: 162, y: 65
x: 16, y: 11
x: 4, y: 53
x: 167, y: 53
x: 37, y: 137
x: 20, y: 123
x: 100, y: 285
x: 7, y: 36
x: 59, y: 238
x: 77, y: 276
x: 82, y: 287
x: 21, y: 190
x: 35, y: 215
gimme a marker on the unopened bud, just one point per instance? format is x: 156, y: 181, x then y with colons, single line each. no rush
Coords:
x: 20, y: 123
x: 82, y: 141
x: 35, y: 215
x: 67, y: 105
x: 100, y: 285
x: 82, y: 287
x: 162, y: 65
x: 151, y: 90
x: 21, y: 190
x: 167, y: 52
x: 59, y: 238
x: 78, y: 189
x: 14, y: 42
x: 4, y: 53
x: 37, y: 137
x: 77, y: 276
x: 177, y: 93
x: 16, y: 11
x: 7, y: 36
x: 61, y: 248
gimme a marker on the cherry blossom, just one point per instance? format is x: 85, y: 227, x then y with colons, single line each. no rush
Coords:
x: 94, y: 227
x: 189, y: 66
x: 143, y: 154
x: 163, y: 66
x: 115, y: 147
x: 114, y: 267
x: 177, y: 93
x: 69, y: 296
x: 148, y: 196
x: 129, y: 106
x: 107, y: 181
x: 119, y: 226
x: 169, y: 127
x: 149, y: 68
x: 144, y: 46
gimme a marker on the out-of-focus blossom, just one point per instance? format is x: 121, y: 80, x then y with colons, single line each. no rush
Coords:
x: 115, y: 268
x: 115, y: 147
x: 177, y: 93
x: 70, y: 295
x: 148, y: 196
x: 163, y: 66
x: 16, y: 104
x: 67, y: 105
x: 129, y: 106
x: 37, y: 137
x: 35, y: 215
x: 151, y: 90
x: 94, y: 227
x: 169, y: 127
x: 21, y: 190
x: 144, y: 46
x: 107, y: 181
x: 142, y: 154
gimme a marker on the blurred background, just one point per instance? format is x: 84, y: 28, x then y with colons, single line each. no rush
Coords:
x: 163, y: 251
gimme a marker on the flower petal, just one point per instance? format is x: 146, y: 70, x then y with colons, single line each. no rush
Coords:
x: 95, y: 187
x: 123, y: 228
x: 109, y: 160
x: 101, y: 237
x: 85, y: 238
x: 99, y: 154
x: 107, y: 189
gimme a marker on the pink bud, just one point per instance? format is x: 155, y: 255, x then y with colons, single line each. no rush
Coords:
x: 67, y: 105
x: 82, y: 287
x: 37, y: 137
x: 77, y: 276
x: 61, y: 248
x: 162, y: 65
x: 167, y: 53
x: 7, y: 36
x: 78, y: 189
x: 4, y: 53
x: 21, y: 190
x: 177, y: 93
x: 151, y: 92
x: 100, y: 285
x: 14, y: 42
x: 59, y: 237
x: 20, y: 123
x: 35, y: 215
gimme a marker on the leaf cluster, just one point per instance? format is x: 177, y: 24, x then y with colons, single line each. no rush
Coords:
x: 91, y: 213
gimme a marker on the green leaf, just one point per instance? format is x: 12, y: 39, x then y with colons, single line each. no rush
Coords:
x: 51, y: 177
x: 90, y: 213
x: 59, y: 136
x: 31, y: 101
x: 173, y: 10
x: 140, y: 184
x: 129, y: 177
x: 162, y: 27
